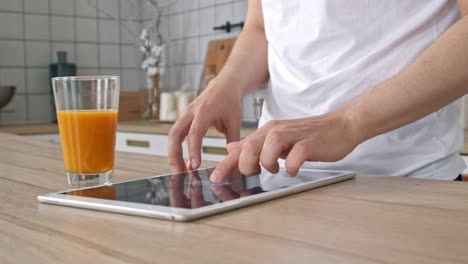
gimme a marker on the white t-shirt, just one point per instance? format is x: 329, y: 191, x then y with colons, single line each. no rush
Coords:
x: 324, y: 53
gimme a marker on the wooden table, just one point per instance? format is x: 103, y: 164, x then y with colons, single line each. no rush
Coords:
x: 371, y: 219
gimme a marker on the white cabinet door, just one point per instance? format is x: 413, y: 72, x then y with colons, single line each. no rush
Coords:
x: 151, y: 144
x: 213, y: 149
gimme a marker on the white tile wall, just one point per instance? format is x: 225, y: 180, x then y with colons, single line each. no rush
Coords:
x: 205, y: 3
x: 14, y: 30
x: 130, y: 56
x: 40, y: 107
x: 62, y: 28
x: 131, y: 80
x: 223, y: 13
x: 100, y: 45
x: 239, y: 11
x: 191, y: 76
x: 37, y: 54
x: 176, y: 26
x: 15, y: 111
x: 11, y: 5
x: 11, y: 53
x: 108, y: 31
x: 110, y: 7
x: 86, y: 29
x: 110, y: 72
x: 188, y: 42
x: 61, y: 7
x: 38, y: 80
x: 190, y: 5
x: 85, y: 8
x: 14, y: 76
x: 36, y: 6
x: 87, y: 71
x: 191, y: 25
x: 130, y: 9
x: 86, y: 55
x: 191, y: 51
x: 37, y: 27
x: 177, y: 7
x: 207, y: 20
x: 109, y: 55
x: 130, y: 32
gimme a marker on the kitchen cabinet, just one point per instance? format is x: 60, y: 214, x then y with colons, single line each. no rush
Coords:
x: 151, y: 144
x: 213, y: 149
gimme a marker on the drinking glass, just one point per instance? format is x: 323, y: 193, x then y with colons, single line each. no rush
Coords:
x: 87, y: 109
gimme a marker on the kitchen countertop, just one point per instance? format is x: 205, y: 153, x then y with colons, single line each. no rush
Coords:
x: 366, y: 220
x: 139, y: 126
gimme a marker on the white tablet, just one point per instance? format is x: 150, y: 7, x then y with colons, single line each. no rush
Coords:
x: 190, y: 195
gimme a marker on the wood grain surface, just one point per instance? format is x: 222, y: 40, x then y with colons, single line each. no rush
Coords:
x: 371, y: 219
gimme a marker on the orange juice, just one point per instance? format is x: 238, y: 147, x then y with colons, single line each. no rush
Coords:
x: 88, y: 140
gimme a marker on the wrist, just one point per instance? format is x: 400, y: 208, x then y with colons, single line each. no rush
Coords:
x: 353, y: 124
x: 224, y: 86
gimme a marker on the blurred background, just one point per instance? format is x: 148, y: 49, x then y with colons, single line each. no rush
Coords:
x: 103, y: 37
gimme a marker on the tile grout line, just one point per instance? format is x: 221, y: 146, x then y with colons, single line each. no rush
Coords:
x: 75, y: 36
x: 98, y: 20
x: 67, y: 41
x: 54, y: 14
x: 119, y: 14
x: 26, y: 88
x: 51, y: 57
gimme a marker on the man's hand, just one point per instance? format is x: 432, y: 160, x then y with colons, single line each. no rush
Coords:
x: 213, y: 107
x: 192, y: 198
x: 324, y: 138
x: 219, y: 105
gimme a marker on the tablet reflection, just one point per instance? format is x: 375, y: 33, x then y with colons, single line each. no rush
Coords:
x: 193, y: 189
x: 198, y: 191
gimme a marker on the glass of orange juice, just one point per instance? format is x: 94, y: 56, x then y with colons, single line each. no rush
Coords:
x: 87, y: 108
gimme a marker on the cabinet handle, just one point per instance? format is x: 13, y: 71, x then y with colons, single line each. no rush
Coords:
x: 138, y: 143
x: 214, y: 150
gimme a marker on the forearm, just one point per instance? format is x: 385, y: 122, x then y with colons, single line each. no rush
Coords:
x: 247, y: 66
x: 438, y: 77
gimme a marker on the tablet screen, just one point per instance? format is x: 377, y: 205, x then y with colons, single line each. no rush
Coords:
x: 194, y: 189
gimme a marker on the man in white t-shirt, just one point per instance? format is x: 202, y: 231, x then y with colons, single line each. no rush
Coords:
x: 368, y: 86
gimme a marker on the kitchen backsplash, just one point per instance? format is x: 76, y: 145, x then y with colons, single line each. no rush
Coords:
x: 188, y: 25
x: 32, y: 31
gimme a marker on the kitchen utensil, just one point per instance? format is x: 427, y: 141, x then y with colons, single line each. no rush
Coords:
x: 132, y: 105
x: 217, y: 53
x: 6, y: 94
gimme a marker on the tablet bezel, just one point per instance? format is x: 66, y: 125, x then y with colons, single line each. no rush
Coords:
x: 184, y: 214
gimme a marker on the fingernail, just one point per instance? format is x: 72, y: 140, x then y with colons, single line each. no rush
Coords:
x: 215, y: 176
x: 194, y: 163
x: 195, y: 183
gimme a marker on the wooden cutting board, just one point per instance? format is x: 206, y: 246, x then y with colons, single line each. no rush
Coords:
x: 132, y: 105
x: 216, y: 55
